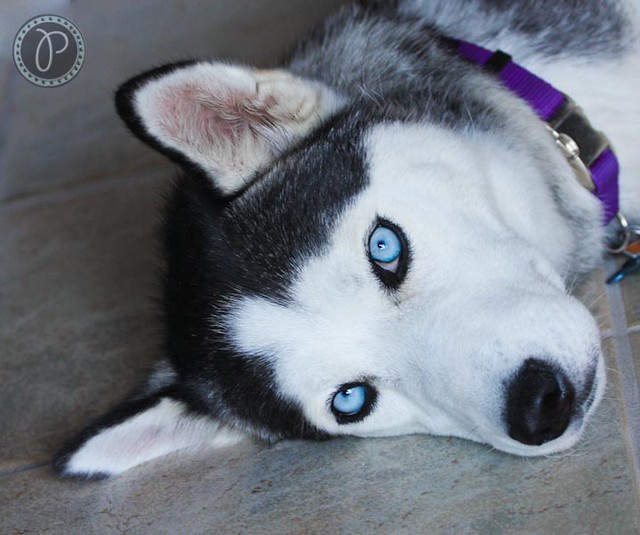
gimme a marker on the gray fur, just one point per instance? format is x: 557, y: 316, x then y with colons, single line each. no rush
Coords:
x: 403, y: 69
x: 550, y: 27
x: 396, y: 64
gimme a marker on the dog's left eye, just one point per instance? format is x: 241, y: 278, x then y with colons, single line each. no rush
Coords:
x: 353, y: 402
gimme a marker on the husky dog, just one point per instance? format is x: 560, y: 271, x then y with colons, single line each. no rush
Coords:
x: 379, y: 238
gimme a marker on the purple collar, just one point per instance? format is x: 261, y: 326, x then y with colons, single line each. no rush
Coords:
x: 587, y: 150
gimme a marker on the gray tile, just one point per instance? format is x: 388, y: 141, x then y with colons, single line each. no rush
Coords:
x: 77, y: 320
x: 400, y: 485
x: 630, y: 287
x: 6, y: 71
x: 66, y: 135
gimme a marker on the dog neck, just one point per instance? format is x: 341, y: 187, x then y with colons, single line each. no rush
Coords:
x: 587, y: 150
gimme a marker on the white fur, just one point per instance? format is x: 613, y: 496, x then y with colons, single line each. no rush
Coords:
x: 231, y: 120
x: 484, y: 292
x: 157, y: 431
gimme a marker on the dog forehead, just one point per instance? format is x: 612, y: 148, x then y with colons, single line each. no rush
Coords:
x: 458, y: 190
x: 289, y: 213
x: 447, y: 167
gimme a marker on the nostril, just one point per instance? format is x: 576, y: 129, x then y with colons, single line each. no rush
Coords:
x: 556, y: 400
x: 540, y: 402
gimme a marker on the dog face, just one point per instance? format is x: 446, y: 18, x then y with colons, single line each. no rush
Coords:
x: 462, y: 332
x: 338, y: 269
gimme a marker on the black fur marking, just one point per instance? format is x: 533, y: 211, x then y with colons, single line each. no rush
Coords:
x: 216, y: 249
x: 253, y: 245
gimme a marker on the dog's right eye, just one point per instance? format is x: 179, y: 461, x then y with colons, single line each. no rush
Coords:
x: 353, y: 402
x: 388, y: 253
x: 385, y: 248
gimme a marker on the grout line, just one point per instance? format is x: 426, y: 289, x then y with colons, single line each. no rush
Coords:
x: 627, y: 381
x: 19, y: 468
x: 610, y: 333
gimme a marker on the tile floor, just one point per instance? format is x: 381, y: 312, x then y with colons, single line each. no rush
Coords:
x: 78, y: 330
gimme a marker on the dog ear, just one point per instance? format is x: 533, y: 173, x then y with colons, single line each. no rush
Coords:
x: 223, y: 120
x: 139, y: 430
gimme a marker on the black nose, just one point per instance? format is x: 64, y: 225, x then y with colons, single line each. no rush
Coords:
x: 540, y: 403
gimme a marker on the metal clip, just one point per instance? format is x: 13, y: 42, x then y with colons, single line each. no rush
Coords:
x: 628, y: 248
x: 626, y: 232
x: 578, y: 140
x: 571, y: 152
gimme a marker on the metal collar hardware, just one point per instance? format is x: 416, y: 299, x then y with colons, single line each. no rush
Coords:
x: 578, y: 140
x: 571, y: 151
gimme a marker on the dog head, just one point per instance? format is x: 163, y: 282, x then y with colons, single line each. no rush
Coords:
x: 341, y: 266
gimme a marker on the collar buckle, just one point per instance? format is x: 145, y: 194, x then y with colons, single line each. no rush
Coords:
x: 571, y: 151
x: 578, y: 140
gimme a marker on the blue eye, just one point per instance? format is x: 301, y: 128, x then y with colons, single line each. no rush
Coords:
x: 349, y: 401
x: 389, y: 253
x: 384, y: 245
x: 353, y: 402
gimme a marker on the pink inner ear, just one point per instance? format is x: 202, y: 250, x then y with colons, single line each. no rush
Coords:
x: 189, y: 114
x: 230, y: 121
